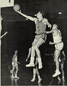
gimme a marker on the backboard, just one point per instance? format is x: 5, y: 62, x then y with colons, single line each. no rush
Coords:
x: 6, y: 3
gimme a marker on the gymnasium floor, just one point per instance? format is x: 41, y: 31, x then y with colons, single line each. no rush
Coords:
x: 25, y: 74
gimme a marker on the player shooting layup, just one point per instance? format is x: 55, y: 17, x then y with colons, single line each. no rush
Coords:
x: 40, y: 36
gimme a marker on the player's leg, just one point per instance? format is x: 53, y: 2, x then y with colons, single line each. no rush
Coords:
x: 38, y: 75
x: 31, y: 64
x: 56, y: 56
x: 62, y: 70
x: 16, y: 71
x: 12, y: 71
x: 29, y: 53
x: 58, y: 48
x: 39, y: 43
x: 34, y: 75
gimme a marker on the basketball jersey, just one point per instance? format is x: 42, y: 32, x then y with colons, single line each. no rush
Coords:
x: 40, y: 27
x: 14, y: 58
x: 57, y: 38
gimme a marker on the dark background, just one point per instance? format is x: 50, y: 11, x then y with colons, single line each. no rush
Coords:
x: 21, y: 33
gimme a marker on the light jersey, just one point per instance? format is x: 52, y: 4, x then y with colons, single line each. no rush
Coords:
x: 40, y: 27
x: 57, y: 38
x: 14, y: 59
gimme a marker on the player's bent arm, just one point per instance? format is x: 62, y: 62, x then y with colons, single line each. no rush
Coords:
x: 52, y: 43
x: 27, y: 17
x: 48, y: 32
x: 47, y: 23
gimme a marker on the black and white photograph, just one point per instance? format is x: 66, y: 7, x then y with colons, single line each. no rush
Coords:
x: 33, y: 42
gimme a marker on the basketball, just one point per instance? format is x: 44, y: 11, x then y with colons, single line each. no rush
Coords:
x: 16, y: 7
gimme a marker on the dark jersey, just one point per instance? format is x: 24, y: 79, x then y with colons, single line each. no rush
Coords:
x: 40, y: 27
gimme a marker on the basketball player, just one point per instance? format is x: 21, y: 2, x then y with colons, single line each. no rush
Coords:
x: 57, y: 41
x: 15, y: 63
x: 40, y: 36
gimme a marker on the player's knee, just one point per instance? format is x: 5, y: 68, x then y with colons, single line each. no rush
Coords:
x: 37, y: 49
x: 32, y: 48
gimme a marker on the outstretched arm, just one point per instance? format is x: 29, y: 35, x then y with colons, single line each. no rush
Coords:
x: 27, y: 17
